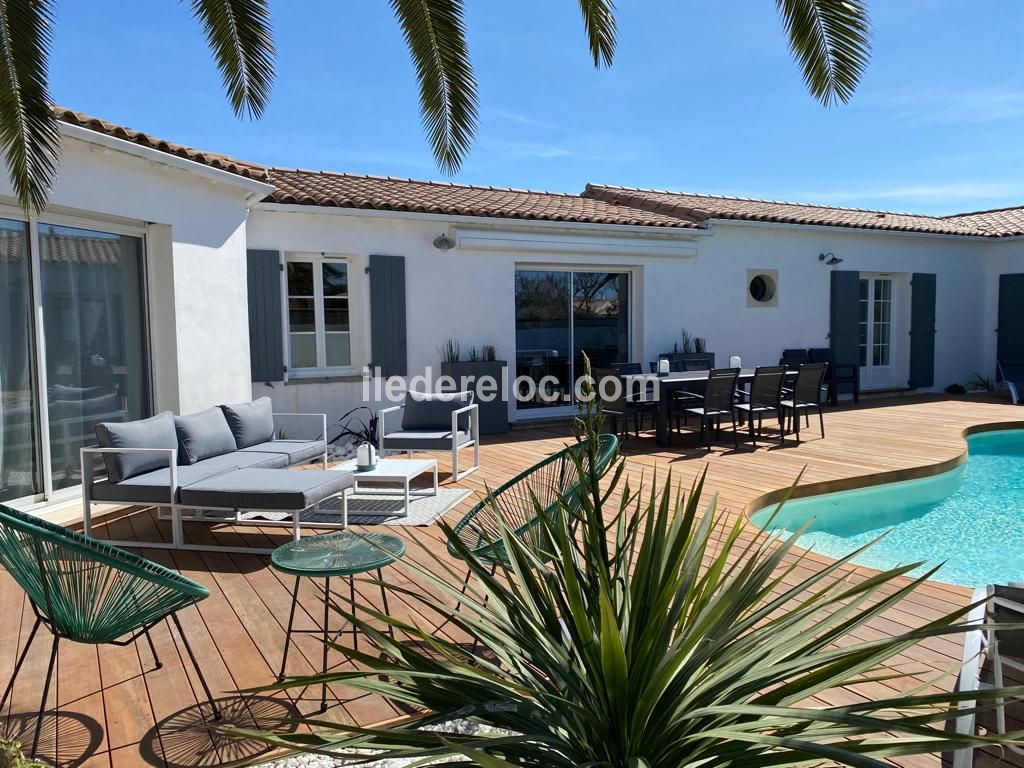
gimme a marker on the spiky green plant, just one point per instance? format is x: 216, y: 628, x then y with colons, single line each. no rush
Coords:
x: 450, y: 351
x: 648, y: 635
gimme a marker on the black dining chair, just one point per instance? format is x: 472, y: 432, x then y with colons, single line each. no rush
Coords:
x: 613, y: 393
x: 764, y: 396
x: 806, y: 395
x: 794, y: 357
x: 716, y: 402
x: 839, y: 374
x: 640, y: 393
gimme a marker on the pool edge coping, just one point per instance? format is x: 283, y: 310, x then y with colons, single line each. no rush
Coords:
x: 858, y: 482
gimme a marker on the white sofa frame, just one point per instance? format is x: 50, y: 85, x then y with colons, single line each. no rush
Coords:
x: 474, y: 437
x: 170, y: 509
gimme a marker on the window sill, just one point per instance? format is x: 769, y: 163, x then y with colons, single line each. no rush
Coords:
x: 323, y: 378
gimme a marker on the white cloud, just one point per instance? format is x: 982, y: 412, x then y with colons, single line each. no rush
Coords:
x: 532, y: 149
x: 949, y: 106
x: 518, y: 118
x: 944, y: 197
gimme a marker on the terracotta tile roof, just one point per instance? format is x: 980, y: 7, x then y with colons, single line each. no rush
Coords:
x: 222, y: 162
x: 700, y: 208
x: 394, y: 194
x: 1000, y: 222
x: 600, y: 204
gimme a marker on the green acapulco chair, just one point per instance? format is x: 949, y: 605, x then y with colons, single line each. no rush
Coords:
x: 86, y: 591
x: 547, y: 481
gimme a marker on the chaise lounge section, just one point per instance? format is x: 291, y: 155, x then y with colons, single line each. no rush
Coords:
x: 226, y: 464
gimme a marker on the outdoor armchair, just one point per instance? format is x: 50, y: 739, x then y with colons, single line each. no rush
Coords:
x: 806, y: 395
x: 840, y: 374
x: 433, y: 422
x: 765, y: 396
x: 716, y: 402
x: 85, y: 591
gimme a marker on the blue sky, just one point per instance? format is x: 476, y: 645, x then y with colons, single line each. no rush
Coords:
x: 702, y: 97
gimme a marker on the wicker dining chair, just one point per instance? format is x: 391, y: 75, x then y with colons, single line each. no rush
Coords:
x: 85, y: 591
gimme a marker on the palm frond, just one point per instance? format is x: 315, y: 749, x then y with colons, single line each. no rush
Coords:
x: 830, y: 40
x: 240, y: 37
x: 599, y: 21
x: 435, y: 34
x: 28, y: 127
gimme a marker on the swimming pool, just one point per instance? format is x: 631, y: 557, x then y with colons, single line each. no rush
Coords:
x: 971, y: 517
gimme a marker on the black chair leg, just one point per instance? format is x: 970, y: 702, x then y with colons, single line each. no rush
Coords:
x: 46, y: 692
x: 152, y: 649
x: 821, y: 420
x: 735, y: 435
x: 288, y: 632
x: 195, y: 665
x: 750, y: 429
x: 21, y: 660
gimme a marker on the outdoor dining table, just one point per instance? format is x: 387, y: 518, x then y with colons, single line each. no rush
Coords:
x: 667, y: 384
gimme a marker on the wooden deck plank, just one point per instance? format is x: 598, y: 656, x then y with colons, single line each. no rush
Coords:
x: 238, y: 633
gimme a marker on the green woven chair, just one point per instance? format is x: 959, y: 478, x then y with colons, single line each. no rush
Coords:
x: 553, y: 478
x: 86, y: 591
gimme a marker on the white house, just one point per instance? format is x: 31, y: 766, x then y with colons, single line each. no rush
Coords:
x: 163, y: 277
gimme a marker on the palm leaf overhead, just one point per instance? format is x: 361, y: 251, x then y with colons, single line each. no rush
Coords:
x: 830, y: 41
x: 28, y: 129
x: 599, y: 21
x: 436, y: 36
x: 239, y: 34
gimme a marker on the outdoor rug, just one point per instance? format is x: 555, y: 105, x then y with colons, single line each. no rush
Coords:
x: 374, y: 509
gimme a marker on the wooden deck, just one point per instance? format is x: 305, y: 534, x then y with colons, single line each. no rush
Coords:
x: 103, y: 711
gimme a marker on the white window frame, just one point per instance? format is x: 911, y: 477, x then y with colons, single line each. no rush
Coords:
x: 322, y: 369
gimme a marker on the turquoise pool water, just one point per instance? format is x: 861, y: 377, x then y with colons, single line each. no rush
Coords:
x: 971, y: 517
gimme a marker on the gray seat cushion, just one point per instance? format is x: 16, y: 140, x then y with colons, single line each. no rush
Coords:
x: 424, y: 440
x: 250, y: 423
x: 203, y: 435
x: 297, y: 451
x: 155, y: 432
x: 433, y: 411
x: 153, y: 487
x: 265, y: 489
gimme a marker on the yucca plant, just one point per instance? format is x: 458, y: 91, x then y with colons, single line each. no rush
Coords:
x: 645, y: 635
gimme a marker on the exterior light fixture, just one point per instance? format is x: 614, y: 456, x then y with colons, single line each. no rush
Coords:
x: 829, y: 259
x: 444, y: 242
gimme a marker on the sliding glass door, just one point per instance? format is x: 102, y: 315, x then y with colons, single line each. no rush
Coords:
x: 20, y: 450
x: 560, y: 315
x: 86, y: 288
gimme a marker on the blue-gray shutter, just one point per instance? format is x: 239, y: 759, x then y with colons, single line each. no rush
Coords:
x: 266, y: 318
x: 922, y: 331
x: 844, y: 317
x: 1010, y: 341
x: 387, y: 315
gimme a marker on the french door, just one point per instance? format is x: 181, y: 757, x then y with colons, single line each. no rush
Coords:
x: 560, y: 316
x: 73, y: 351
x: 876, y: 331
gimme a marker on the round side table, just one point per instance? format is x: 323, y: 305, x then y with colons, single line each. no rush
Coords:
x: 340, y: 554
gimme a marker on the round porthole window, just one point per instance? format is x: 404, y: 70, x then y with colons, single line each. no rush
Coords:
x: 762, y: 288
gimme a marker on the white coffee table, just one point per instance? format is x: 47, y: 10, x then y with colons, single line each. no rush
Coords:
x: 389, y: 472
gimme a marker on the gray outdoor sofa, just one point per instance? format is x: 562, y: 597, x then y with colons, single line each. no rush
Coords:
x: 443, y: 421
x: 226, y: 464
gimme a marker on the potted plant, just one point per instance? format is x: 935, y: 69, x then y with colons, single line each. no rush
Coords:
x: 484, y: 374
x: 690, y: 347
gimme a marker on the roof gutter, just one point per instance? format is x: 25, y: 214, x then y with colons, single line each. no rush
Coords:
x: 493, y: 222
x: 257, y: 190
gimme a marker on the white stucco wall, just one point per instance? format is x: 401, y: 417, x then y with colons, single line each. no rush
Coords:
x: 195, y: 236
x: 468, y: 294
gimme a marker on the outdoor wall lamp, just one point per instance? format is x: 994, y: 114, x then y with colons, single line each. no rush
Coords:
x: 829, y: 259
x: 444, y: 242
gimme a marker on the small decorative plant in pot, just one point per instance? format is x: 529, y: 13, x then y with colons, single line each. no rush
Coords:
x: 356, y: 428
x: 486, y: 376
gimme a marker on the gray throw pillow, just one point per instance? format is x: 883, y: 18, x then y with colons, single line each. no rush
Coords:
x: 251, y: 423
x: 155, y: 432
x: 203, y: 435
x: 425, y: 410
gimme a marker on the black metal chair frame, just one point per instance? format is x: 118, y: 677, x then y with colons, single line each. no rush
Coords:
x: 718, y: 400
x: 807, y: 394
x: 764, y: 396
